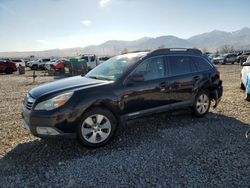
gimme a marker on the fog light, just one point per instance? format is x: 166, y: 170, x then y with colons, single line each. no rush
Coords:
x: 46, y: 131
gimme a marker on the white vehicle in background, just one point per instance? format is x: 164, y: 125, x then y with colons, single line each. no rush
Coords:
x: 245, y: 78
x: 91, y: 59
x: 47, y: 65
x: 38, y: 64
x: 18, y: 62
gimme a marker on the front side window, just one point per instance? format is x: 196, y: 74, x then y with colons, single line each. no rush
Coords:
x: 181, y: 65
x: 151, y: 69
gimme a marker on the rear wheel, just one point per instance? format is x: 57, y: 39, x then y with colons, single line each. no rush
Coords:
x: 202, y: 104
x: 34, y: 67
x: 97, y: 127
x: 9, y: 71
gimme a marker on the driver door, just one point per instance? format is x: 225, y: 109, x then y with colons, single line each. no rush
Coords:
x: 149, y: 93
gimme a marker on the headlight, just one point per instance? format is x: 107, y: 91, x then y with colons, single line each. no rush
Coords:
x: 54, y: 103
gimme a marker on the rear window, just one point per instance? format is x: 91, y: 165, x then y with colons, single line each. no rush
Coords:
x: 181, y: 65
x: 16, y: 60
x: 202, y: 64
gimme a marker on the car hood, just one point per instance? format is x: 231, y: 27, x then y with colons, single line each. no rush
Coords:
x: 67, y: 84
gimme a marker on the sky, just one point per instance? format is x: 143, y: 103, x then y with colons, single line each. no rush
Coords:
x: 33, y: 25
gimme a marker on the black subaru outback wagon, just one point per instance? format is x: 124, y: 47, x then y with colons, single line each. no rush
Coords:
x: 124, y: 87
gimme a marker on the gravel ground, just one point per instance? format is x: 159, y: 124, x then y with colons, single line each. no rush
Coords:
x: 173, y: 149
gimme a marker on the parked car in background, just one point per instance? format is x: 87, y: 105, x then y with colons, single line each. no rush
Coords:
x: 226, y: 58
x: 47, y: 65
x: 245, y: 78
x: 211, y: 56
x: 91, y: 60
x: 38, y: 64
x: 241, y: 58
x: 7, y: 67
x: 18, y: 62
x: 124, y: 87
x: 59, y: 65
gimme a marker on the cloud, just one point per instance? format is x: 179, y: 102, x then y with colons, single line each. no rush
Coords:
x: 104, y: 3
x: 87, y: 23
x: 42, y: 41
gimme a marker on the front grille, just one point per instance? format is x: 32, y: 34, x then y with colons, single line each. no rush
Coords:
x: 28, y: 102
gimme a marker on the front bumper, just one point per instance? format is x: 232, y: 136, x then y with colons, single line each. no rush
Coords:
x: 49, y: 125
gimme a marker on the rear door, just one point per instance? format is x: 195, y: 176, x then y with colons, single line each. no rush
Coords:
x: 184, y: 79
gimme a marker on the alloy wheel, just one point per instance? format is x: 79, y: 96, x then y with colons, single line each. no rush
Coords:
x: 96, y: 128
x: 202, y: 104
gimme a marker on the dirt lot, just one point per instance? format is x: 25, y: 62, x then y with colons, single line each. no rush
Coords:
x: 171, y: 149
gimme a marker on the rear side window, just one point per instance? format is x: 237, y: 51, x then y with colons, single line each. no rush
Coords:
x: 181, y: 65
x: 202, y: 64
x: 16, y: 60
x: 46, y: 60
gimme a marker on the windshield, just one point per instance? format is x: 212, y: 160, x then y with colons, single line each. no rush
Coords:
x: 114, y: 68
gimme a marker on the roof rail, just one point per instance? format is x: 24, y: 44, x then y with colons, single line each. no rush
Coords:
x: 177, y: 50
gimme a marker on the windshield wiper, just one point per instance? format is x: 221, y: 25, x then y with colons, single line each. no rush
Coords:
x: 93, y: 77
x: 99, y: 78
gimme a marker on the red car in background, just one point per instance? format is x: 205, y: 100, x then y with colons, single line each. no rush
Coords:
x: 7, y: 67
x: 58, y: 66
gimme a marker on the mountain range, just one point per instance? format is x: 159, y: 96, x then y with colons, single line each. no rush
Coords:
x: 211, y: 41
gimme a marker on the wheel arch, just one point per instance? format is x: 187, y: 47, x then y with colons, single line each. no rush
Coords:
x: 107, y: 104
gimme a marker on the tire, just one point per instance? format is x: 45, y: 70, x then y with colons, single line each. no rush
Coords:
x: 34, y: 67
x: 242, y: 86
x: 8, y: 71
x: 96, y: 128
x: 247, y: 96
x: 201, y: 104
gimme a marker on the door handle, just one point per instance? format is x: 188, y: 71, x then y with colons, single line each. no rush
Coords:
x: 196, y: 78
x: 162, y: 85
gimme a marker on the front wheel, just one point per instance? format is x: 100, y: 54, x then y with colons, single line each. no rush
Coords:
x: 9, y: 71
x: 97, y: 127
x: 34, y: 67
x: 202, y: 104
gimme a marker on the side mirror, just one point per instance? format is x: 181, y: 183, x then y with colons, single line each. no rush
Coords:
x: 247, y: 63
x: 135, y: 78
